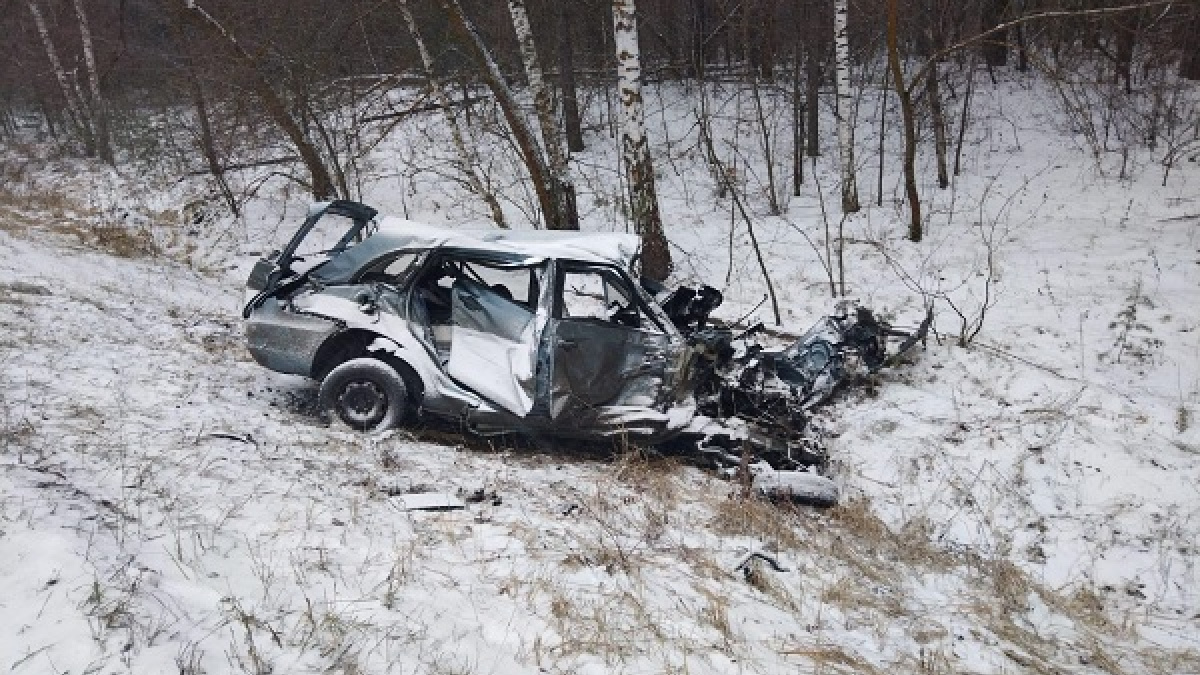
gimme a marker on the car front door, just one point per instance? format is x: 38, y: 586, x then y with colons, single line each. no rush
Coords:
x: 606, y: 347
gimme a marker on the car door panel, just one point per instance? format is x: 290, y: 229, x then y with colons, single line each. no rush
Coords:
x: 493, y: 346
x: 605, y: 351
x: 597, y: 364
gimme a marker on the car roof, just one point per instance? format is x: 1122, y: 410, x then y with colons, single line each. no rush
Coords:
x: 398, y: 234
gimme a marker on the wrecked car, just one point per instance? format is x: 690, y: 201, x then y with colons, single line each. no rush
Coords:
x: 540, y: 333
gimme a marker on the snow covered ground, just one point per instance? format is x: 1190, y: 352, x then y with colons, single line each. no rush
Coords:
x: 1030, y: 503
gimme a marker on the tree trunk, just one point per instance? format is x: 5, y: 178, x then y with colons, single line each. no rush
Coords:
x: 1022, y: 44
x: 531, y: 152
x: 938, y: 118
x: 1126, y: 40
x: 883, y: 97
x: 962, y: 122
x: 468, y: 159
x: 75, y: 113
x: 321, y: 181
x: 635, y: 150
x: 700, y: 38
x: 845, y: 104
x: 906, y: 112
x: 566, y: 74
x: 797, y: 125
x: 561, y: 187
x: 812, y: 91
x: 98, y: 109
x: 7, y: 128
x: 208, y: 145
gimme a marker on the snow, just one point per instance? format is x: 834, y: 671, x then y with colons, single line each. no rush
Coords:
x: 1028, y: 503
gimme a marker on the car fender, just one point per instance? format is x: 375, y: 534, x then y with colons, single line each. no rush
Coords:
x: 393, y: 335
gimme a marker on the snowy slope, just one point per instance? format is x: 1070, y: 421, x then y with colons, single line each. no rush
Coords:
x: 1028, y: 504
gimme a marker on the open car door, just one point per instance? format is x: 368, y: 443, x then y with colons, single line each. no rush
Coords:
x: 329, y: 229
x: 493, y: 345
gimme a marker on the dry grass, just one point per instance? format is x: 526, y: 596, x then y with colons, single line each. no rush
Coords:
x: 1171, y: 661
x: 857, y: 536
x: 113, y: 238
x: 834, y: 659
x: 58, y: 211
x: 776, y: 525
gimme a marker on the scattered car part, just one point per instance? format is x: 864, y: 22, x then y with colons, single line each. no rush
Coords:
x: 429, y: 501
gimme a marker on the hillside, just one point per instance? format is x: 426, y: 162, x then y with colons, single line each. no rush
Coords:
x: 1027, y: 503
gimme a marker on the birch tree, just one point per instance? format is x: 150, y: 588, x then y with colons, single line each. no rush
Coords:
x: 76, y: 114
x: 635, y: 150
x: 527, y: 144
x: 561, y: 187
x: 98, y: 110
x: 845, y: 103
x: 467, y: 158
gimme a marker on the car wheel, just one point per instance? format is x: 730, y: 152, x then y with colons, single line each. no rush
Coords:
x: 366, y: 394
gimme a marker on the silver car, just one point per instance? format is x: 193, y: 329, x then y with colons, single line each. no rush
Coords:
x: 544, y: 332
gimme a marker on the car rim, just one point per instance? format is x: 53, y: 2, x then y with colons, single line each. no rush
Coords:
x: 362, y: 403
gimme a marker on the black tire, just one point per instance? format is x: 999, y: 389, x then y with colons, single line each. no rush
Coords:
x: 366, y: 394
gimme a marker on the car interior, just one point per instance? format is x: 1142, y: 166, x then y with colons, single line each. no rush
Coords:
x: 433, y: 292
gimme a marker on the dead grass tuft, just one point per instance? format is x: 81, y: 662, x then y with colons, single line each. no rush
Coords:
x: 120, y: 240
x: 834, y: 659
x: 862, y: 540
x: 1170, y: 661
x: 775, y: 524
x: 1086, y: 606
x: 657, y: 479
x: 1098, y: 656
x: 858, y: 518
x: 876, y: 597
x: 1008, y: 582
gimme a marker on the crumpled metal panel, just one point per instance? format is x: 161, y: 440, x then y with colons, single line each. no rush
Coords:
x: 493, y: 346
x: 597, y: 364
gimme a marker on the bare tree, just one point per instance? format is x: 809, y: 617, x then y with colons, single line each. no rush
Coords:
x: 467, y: 158
x: 797, y: 125
x: 98, y: 109
x: 1189, y: 65
x: 566, y: 79
x: 204, y: 138
x: 635, y: 150
x: 845, y: 105
x: 321, y: 181
x: 76, y: 113
x: 915, y: 231
x: 995, y: 49
x: 937, y: 114
x: 812, y: 90
x: 527, y: 144
x: 561, y: 187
